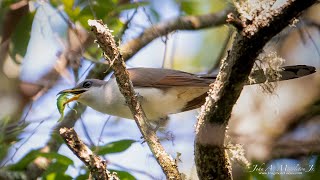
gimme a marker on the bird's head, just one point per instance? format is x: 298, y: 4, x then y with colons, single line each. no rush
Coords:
x: 85, y: 91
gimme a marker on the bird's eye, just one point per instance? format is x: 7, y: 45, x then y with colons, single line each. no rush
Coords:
x: 87, y: 84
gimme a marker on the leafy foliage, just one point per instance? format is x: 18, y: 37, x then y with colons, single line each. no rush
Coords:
x: 8, y: 134
x: 107, y: 10
x: 56, y: 170
x: 21, y: 36
x: 114, y: 147
x: 32, y: 155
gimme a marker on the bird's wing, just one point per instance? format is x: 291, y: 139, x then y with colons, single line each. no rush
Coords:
x: 164, y: 78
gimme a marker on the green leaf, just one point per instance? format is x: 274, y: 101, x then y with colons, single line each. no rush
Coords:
x: 84, y: 173
x: 189, y: 7
x: 55, y: 176
x: 5, y: 4
x: 20, y: 37
x: 58, y: 157
x: 82, y: 177
x: 73, y: 13
x: 32, y: 155
x: 68, y: 4
x: 56, y: 167
x: 114, y: 147
x: 128, y: 6
x: 314, y: 173
x: 22, y: 164
x: 56, y: 170
x: 154, y: 14
x: 101, y: 9
x: 115, y: 24
x: 9, y: 133
x: 123, y: 175
x: 62, y: 100
x: 72, y: 10
x: 61, y: 104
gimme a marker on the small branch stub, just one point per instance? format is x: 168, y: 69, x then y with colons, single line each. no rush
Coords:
x: 235, y: 21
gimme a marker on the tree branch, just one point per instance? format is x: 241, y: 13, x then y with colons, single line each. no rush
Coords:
x: 234, y: 72
x: 108, y: 45
x: 295, y: 149
x: 95, y: 164
x: 287, y: 144
x: 181, y: 23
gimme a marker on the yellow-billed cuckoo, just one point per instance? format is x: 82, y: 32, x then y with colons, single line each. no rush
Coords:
x: 163, y: 91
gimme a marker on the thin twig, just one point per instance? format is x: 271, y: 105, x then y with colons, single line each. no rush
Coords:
x: 181, y: 23
x: 102, y: 130
x: 86, y: 132
x: 165, y: 51
x: 26, y: 140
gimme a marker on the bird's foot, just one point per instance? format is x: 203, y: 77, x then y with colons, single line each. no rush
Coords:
x: 160, y: 124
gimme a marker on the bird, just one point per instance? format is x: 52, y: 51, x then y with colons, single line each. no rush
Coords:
x: 162, y: 91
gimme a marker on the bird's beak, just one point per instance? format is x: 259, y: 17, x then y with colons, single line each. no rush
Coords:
x: 73, y: 91
x: 76, y: 92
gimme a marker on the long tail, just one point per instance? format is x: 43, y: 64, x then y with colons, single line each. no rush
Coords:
x: 258, y: 76
x: 286, y: 73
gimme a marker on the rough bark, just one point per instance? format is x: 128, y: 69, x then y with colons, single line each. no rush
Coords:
x: 97, y: 167
x: 233, y: 74
x: 115, y: 59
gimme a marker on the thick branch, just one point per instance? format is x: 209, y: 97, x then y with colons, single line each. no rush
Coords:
x: 108, y: 45
x: 307, y: 114
x: 287, y: 145
x: 12, y: 17
x: 295, y: 149
x: 95, y: 164
x: 181, y: 23
x: 233, y: 74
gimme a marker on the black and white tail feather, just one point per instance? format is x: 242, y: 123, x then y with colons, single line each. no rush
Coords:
x: 285, y: 73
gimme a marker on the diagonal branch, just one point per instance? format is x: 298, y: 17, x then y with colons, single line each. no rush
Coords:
x: 95, y: 164
x: 290, y: 146
x: 215, y: 113
x: 108, y: 45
